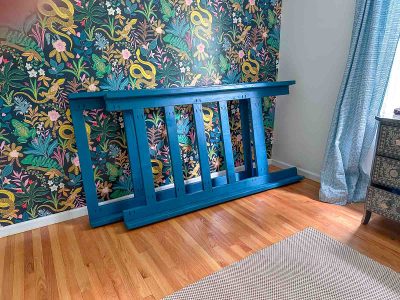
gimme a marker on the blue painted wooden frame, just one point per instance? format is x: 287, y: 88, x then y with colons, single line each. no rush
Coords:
x: 146, y: 205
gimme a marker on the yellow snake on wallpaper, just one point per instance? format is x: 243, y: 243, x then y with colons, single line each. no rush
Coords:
x: 208, y: 114
x: 147, y: 77
x: 63, y: 16
x: 250, y: 69
x: 7, y: 204
x: 156, y: 166
x: 66, y: 131
x: 202, y: 22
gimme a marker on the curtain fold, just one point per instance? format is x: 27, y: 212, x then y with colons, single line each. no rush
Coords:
x: 376, y: 32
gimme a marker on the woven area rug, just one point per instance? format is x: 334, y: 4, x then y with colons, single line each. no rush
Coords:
x: 307, y: 265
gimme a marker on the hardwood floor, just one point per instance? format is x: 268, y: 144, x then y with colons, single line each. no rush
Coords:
x: 72, y: 261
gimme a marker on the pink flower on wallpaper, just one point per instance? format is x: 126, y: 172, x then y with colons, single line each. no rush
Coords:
x: 59, y: 45
x: 75, y: 161
x: 53, y: 115
x: 126, y: 54
x: 241, y: 54
x: 201, y: 48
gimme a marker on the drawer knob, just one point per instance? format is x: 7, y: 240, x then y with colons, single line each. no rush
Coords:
x: 393, y: 173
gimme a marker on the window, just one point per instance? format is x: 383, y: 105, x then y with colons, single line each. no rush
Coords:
x: 392, y: 97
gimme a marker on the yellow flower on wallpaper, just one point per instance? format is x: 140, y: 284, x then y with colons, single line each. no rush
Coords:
x: 200, y: 53
x: 124, y: 56
x: 60, y: 51
x: 251, y: 6
x: 159, y: 28
x: 91, y: 85
x: 50, y: 118
x: 75, y: 167
x: 13, y: 153
x: 105, y: 189
x: 186, y: 4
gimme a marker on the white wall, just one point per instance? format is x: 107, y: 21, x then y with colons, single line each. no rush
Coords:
x: 315, y: 40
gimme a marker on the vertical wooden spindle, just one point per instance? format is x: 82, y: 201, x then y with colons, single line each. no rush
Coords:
x: 246, y: 140
x: 260, y: 149
x: 144, y: 155
x: 133, y: 153
x: 226, y: 139
x: 175, y: 154
x: 202, y: 146
x: 85, y: 162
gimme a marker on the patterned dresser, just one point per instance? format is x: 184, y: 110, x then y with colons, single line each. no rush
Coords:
x: 383, y: 195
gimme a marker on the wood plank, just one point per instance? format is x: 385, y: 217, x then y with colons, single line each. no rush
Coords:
x: 226, y: 140
x: 8, y: 278
x: 133, y: 152
x: 62, y: 285
x: 48, y: 265
x: 153, y: 261
x: 40, y: 272
x: 85, y: 161
x: 144, y: 155
x: 18, y: 287
x: 246, y: 140
x: 3, y: 276
x: 202, y: 147
x: 29, y: 271
x: 260, y: 148
x: 174, y: 150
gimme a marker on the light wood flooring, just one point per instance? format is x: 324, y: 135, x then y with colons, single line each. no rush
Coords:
x: 72, y: 261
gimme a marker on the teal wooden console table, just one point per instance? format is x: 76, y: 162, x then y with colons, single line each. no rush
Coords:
x: 146, y: 205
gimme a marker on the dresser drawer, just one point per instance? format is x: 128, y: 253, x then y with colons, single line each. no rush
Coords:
x: 389, y: 141
x: 384, y: 203
x: 386, y: 172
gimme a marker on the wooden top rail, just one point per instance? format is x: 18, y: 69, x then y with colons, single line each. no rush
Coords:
x: 186, y: 91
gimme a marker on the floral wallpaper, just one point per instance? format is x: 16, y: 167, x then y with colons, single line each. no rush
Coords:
x: 69, y: 46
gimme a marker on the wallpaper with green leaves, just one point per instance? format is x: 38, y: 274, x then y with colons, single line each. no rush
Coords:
x: 70, y: 46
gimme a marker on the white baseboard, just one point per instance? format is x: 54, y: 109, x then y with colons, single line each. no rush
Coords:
x: 307, y: 174
x: 82, y: 211
x: 43, y: 221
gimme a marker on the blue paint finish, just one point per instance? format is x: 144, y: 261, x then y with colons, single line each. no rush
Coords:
x: 202, y: 146
x: 260, y: 150
x: 144, y: 155
x: 85, y: 161
x: 204, y: 199
x: 174, y: 150
x: 147, y: 205
x: 246, y: 140
x: 238, y: 89
x: 133, y: 153
x: 226, y: 140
